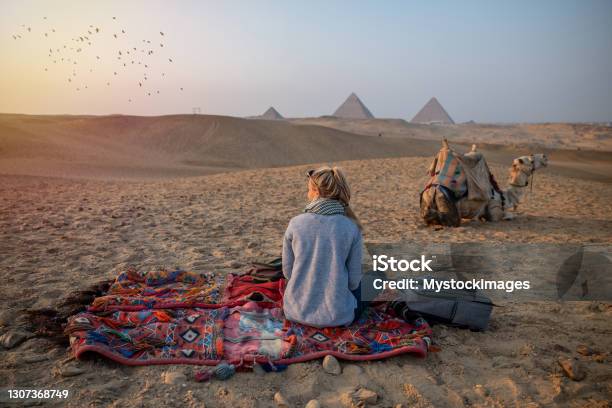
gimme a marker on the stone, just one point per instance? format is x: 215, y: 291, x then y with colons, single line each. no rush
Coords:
x: 173, y: 377
x: 365, y: 395
x: 34, y: 358
x: 313, y: 404
x: 13, y: 338
x: 600, y: 358
x: 6, y: 316
x: 585, y: 350
x: 331, y: 365
x: 346, y: 399
x: 572, y: 369
x: 280, y: 400
x: 561, y: 348
x: 71, y: 371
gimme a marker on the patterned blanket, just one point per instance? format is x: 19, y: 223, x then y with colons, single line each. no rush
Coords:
x: 178, y: 317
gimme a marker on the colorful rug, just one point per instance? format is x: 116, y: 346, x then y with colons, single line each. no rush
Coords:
x: 181, y: 317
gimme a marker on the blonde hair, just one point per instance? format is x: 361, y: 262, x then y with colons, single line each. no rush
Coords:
x: 331, y: 183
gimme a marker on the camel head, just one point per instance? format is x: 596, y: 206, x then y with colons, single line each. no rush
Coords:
x: 539, y: 160
x: 524, y: 166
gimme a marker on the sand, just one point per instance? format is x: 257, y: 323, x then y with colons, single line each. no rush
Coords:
x: 136, y: 147
x: 58, y: 234
x: 552, y: 135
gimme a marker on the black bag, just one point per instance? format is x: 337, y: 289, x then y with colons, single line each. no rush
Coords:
x: 460, y: 308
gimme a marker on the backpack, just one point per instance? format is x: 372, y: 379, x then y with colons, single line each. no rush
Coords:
x: 266, y: 271
x: 460, y: 308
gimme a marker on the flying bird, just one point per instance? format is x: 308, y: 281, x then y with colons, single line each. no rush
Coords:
x: 92, y: 29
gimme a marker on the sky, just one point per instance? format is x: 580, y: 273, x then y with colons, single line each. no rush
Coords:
x: 488, y: 61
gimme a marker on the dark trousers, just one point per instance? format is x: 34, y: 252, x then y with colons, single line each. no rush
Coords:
x: 361, y: 305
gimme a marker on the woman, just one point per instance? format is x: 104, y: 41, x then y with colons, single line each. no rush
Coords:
x: 322, y: 255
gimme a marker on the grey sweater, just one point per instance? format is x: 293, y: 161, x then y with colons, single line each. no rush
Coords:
x: 322, y: 263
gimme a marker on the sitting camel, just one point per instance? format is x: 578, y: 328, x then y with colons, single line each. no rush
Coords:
x: 462, y: 186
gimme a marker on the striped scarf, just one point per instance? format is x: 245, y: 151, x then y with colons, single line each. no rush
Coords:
x: 325, y: 206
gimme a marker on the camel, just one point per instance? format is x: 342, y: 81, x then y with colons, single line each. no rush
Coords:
x: 462, y: 186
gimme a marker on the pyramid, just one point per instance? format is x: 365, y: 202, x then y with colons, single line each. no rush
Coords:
x: 353, y: 108
x: 271, y: 114
x: 433, y: 112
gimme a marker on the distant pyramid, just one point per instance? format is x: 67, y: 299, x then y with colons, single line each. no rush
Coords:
x: 433, y: 112
x: 353, y: 108
x: 271, y: 114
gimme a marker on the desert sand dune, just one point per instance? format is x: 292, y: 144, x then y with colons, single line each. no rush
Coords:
x: 551, y: 135
x: 130, y: 146
x: 137, y: 147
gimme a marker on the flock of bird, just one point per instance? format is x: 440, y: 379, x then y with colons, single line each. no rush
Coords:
x: 129, y: 57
